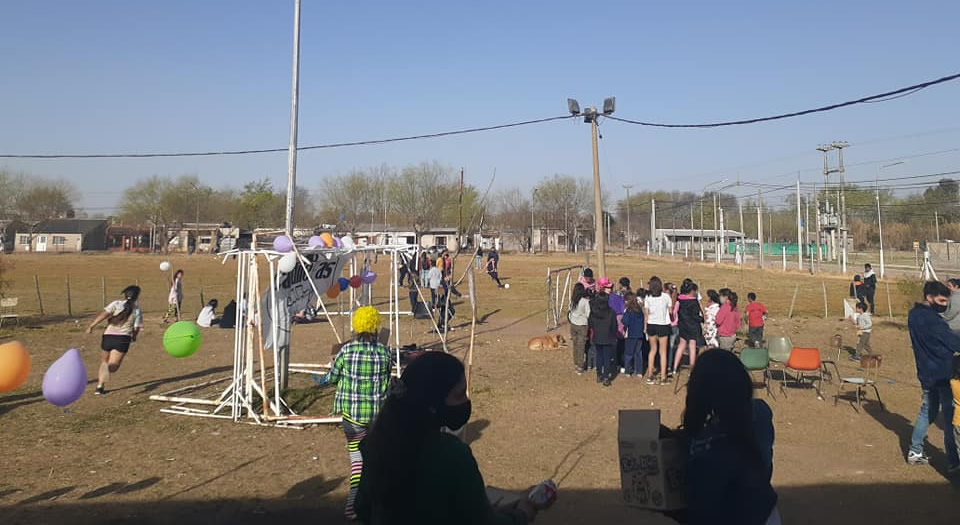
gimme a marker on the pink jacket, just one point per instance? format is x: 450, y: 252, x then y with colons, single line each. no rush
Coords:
x: 728, y: 321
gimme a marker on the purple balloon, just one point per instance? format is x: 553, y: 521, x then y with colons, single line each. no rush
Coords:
x: 66, y: 379
x: 368, y: 276
x: 337, y: 243
x: 282, y: 244
x: 315, y: 241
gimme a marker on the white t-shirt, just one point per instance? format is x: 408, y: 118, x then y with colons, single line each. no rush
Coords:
x: 435, y: 276
x: 658, y: 308
x: 206, y: 317
x: 135, y: 321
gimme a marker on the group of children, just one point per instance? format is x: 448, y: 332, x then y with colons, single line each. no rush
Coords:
x: 648, y: 331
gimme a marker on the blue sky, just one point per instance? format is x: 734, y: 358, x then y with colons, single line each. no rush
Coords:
x: 121, y: 76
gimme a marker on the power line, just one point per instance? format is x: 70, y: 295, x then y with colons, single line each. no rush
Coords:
x: 882, y: 97
x: 277, y: 150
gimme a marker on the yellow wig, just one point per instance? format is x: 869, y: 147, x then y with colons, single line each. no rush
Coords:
x: 366, y: 320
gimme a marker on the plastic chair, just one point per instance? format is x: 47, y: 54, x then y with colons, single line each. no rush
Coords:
x: 779, y: 351
x: 871, y: 374
x: 803, y: 361
x: 757, y: 359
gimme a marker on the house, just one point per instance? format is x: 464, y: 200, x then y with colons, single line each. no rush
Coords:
x: 446, y: 237
x: 122, y: 238
x: 63, y: 236
x: 555, y: 240
x: 383, y: 235
x: 686, y: 238
x: 214, y: 237
x: 8, y: 234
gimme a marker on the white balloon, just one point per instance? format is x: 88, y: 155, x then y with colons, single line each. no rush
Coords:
x: 347, y: 242
x: 287, y: 263
x: 164, y: 266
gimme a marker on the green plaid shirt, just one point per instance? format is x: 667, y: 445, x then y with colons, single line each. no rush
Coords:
x: 362, y: 374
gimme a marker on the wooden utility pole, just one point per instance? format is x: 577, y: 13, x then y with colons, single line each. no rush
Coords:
x: 598, y: 203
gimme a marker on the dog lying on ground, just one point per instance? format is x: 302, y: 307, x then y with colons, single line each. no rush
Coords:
x: 546, y: 342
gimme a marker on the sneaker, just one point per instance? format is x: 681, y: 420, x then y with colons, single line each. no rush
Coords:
x: 623, y: 370
x: 915, y: 458
x: 580, y: 371
x: 606, y: 382
x: 651, y: 380
x: 855, y: 359
x: 99, y: 391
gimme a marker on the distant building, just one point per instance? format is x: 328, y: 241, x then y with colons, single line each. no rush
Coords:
x: 128, y: 238
x: 8, y: 234
x: 214, y: 237
x: 63, y: 236
x: 686, y: 238
x: 378, y: 234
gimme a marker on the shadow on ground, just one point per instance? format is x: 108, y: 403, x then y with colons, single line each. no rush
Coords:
x: 311, y: 501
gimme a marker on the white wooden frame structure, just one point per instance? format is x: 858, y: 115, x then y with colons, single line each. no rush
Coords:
x: 557, y: 295
x: 236, y: 401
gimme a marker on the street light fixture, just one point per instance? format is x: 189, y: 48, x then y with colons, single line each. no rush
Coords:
x: 590, y: 117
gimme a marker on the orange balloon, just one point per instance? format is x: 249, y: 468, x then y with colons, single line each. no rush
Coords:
x: 327, y: 239
x: 14, y: 365
x: 333, y: 291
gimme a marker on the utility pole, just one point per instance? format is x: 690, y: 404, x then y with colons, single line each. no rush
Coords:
x: 533, y: 200
x: 760, y: 226
x: 936, y: 222
x: 839, y: 145
x: 292, y: 149
x: 806, y: 230
x: 459, y: 214
x: 743, y: 233
x: 799, y: 228
x: 627, y: 187
x: 722, y: 239
x: 653, y: 220
x: 701, y: 230
x: 816, y: 206
x: 716, y: 240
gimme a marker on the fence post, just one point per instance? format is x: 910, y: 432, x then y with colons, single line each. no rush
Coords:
x: 793, y: 301
x: 36, y: 282
x: 103, y: 290
x: 69, y: 304
x: 889, y: 306
x: 826, y: 311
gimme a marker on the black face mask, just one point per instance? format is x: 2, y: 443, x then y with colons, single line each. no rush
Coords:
x: 939, y: 308
x: 454, y: 417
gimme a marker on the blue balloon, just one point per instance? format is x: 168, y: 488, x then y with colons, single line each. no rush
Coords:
x: 344, y: 283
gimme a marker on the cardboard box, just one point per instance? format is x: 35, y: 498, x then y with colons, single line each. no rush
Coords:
x: 653, y: 462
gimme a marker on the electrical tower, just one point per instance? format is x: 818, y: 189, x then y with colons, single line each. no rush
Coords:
x: 833, y: 213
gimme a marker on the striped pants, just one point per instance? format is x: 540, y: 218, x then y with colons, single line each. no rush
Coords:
x: 354, y: 433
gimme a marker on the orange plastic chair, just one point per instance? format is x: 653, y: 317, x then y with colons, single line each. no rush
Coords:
x: 805, y: 361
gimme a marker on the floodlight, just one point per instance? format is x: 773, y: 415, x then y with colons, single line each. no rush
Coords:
x: 573, y: 106
x: 609, y: 104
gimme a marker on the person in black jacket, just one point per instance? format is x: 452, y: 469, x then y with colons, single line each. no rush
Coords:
x: 933, y: 347
x: 869, y: 286
x: 603, y: 329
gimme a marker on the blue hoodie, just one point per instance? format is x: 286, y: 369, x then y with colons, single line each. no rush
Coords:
x: 933, y: 345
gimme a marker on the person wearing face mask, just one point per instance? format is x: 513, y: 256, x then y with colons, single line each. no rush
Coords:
x: 933, y: 346
x: 361, y: 372
x: 414, y: 473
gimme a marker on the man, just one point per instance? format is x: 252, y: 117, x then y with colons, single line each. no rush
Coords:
x: 952, y: 315
x: 869, y: 286
x: 933, y: 346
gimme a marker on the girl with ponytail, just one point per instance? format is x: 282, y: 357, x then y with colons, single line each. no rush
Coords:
x: 124, y: 321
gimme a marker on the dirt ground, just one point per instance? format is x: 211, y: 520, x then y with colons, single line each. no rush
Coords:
x: 117, y: 459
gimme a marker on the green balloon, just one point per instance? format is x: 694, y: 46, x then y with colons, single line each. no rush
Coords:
x: 182, y: 339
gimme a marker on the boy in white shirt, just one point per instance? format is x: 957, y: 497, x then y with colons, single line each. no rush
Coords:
x: 864, y: 322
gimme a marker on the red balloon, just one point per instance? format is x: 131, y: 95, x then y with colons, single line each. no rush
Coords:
x: 356, y: 281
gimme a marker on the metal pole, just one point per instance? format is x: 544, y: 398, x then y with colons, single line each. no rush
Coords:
x: 627, y: 187
x: 598, y: 202
x: 716, y: 241
x: 799, y: 228
x: 806, y: 231
x: 816, y: 202
x: 722, y: 239
x: 743, y: 232
x: 760, y: 227
x: 532, y: 201
x: 936, y: 221
x: 294, y: 112
x: 880, y: 227
x: 701, y: 230
x: 653, y: 220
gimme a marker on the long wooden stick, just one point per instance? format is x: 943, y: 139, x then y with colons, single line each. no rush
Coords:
x: 826, y: 311
x: 793, y: 301
x: 36, y: 282
x: 473, y: 334
x: 890, y: 306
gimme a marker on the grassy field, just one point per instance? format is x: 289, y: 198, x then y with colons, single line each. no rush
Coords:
x: 117, y: 459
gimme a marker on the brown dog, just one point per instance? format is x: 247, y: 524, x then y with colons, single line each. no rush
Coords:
x: 546, y: 342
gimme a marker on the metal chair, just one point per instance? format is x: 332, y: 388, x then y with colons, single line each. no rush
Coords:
x: 871, y: 374
x: 757, y: 359
x: 8, y: 309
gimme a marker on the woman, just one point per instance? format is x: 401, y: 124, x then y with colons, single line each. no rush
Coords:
x: 413, y: 472
x: 689, y: 323
x: 208, y: 315
x: 175, y: 297
x: 579, y: 317
x: 229, y: 319
x: 124, y: 322
x: 361, y: 372
x: 710, y: 318
x: 728, y: 319
x: 656, y: 310
x: 731, y: 445
x: 604, y: 333
x: 674, y: 329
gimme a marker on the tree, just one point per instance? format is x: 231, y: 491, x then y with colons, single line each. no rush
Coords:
x: 257, y: 207
x: 43, y: 199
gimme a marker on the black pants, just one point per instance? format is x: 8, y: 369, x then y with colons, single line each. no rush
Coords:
x: 495, y: 277
x: 868, y: 298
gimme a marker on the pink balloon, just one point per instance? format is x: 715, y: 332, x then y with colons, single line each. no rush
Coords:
x: 66, y: 379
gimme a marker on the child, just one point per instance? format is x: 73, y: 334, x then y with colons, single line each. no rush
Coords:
x: 689, y: 323
x: 633, y: 346
x: 756, y: 314
x: 864, y: 322
x: 208, y: 315
x: 731, y: 445
x: 124, y: 321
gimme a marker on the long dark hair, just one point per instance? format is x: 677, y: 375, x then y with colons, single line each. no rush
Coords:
x: 732, y: 299
x: 402, y: 430
x: 131, y: 294
x: 579, y: 292
x: 714, y: 296
x: 687, y: 287
x: 720, y: 393
x: 655, y: 286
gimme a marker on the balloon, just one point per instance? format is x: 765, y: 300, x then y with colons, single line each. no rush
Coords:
x: 14, y: 365
x: 344, y: 283
x: 164, y: 266
x: 333, y: 291
x: 282, y: 244
x: 66, y: 379
x: 327, y: 239
x: 347, y: 242
x: 337, y: 243
x: 368, y: 276
x: 315, y: 241
x: 356, y: 281
x: 287, y: 263
x: 182, y: 339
